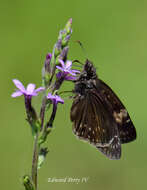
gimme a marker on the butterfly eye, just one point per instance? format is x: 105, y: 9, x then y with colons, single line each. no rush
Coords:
x: 84, y: 75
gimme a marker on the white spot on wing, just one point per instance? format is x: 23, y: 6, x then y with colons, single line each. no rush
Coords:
x: 119, y: 116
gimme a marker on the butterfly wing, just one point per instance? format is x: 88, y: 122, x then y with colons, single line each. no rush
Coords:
x: 113, y: 151
x: 92, y: 123
x: 118, y: 111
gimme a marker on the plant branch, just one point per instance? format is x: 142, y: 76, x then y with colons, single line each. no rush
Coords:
x: 42, y: 111
x: 35, y: 161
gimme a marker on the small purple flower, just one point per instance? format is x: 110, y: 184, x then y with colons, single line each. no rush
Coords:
x: 28, y: 92
x: 55, y: 99
x: 66, y: 70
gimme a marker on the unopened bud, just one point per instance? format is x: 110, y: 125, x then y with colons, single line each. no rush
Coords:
x: 68, y: 26
x: 63, y: 55
x: 47, y: 63
x: 58, y: 47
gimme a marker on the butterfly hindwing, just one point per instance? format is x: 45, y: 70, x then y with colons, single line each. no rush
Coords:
x: 91, y: 122
x: 113, y: 151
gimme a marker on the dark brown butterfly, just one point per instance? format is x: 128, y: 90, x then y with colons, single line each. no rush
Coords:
x: 98, y: 115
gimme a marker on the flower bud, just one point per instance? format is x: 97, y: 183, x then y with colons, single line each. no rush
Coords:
x: 63, y: 55
x: 47, y: 63
x: 58, y: 47
x: 68, y: 26
x: 66, y: 40
x: 28, y: 183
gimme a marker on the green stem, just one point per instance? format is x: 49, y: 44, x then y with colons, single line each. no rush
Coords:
x: 42, y: 111
x: 35, y: 161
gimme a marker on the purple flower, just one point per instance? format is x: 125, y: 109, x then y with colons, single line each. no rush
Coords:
x: 55, y: 99
x: 66, y: 68
x: 28, y: 92
x: 66, y: 72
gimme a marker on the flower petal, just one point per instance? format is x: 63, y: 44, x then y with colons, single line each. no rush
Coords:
x: 62, y: 63
x: 50, y: 96
x: 33, y: 94
x: 19, y: 85
x: 30, y: 88
x: 55, y: 98
x: 75, y: 71
x: 68, y: 65
x: 60, y: 68
x: 58, y: 99
x: 70, y: 78
x: 16, y: 94
x: 73, y: 74
x: 39, y: 89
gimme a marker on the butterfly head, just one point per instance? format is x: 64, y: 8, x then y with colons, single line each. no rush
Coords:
x: 86, y: 79
x: 88, y: 72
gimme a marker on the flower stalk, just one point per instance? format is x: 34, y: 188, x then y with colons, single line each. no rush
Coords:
x: 56, y: 70
x: 35, y: 161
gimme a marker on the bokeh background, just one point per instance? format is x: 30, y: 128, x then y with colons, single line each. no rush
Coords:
x: 114, y: 34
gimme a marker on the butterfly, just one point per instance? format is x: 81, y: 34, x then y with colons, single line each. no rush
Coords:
x: 98, y: 115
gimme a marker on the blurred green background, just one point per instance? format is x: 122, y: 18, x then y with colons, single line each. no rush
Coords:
x: 114, y: 34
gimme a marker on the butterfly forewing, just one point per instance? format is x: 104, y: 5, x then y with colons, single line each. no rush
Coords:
x: 126, y: 128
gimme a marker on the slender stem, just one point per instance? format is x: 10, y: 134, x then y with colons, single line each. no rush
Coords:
x: 50, y: 123
x: 35, y: 161
x: 42, y: 111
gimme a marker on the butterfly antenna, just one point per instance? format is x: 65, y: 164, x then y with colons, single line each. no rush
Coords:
x: 81, y: 45
x: 85, y: 54
x: 77, y: 61
x: 66, y: 91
